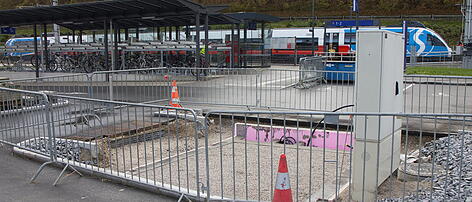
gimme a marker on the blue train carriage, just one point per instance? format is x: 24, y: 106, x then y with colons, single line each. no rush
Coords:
x: 14, y: 42
x: 425, y: 42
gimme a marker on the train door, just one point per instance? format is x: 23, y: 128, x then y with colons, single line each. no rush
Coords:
x: 331, y: 42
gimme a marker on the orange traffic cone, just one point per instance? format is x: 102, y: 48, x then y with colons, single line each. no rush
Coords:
x: 175, y: 99
x: 283, y: 192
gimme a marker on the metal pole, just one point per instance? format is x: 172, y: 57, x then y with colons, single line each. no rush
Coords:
x: 165, y: 34
x: 94, y: 37
x: 405, y: 34
x: 159, y: 34
x: 127, y: 35
x: 325, y: 45
x: 115, y: 49
x: 170, y: 33
x: 187, y: 33
x: 112, y: 40
x: 177, y: 33
x: 357, y: 14
x: 197, y: 40
x: 313, y: 30
x: 263, y: 44
x: 80, y: 36
x: 118, y: 35
x: 105, y: 43
x: 137, y: 34
x: 45, y: 42
x: 56, y: 29
x: 36, y: 59
x: 467, y: 58
x: 238, y: 52
x: 73, y: 36
x: 245, y: 45
x: 113, y: 60
x: 231, y: 53
x: 207, y: 61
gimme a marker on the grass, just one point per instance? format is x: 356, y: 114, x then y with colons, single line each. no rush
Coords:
x: 448, y: 71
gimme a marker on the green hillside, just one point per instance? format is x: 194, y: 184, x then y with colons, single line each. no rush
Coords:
x: 303, y: 7
x: 450, y: 30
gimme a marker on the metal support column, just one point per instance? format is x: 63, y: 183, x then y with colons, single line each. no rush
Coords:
x: 105, y: 43
x: 36, y: 56
x: 137, y: 34
x: 57, y: 31
x: 112, y: 40
x: 187, y: 33
x: 197, y: 40
x: 238, y: 52
x: 119, y: 35
x: 127, y: 35
x: 80, y: 36
x: 165, y: 34
x: 231, y: 53
x: 263, y: 44
x: 313, y: 29
x: 207, y: 58
x: 170, y: 33
x: 115, y: 46
x: 177, y: 33
x: 73, y: 36
x: 94, y: 37
x: 245, y: 44
x: 45, y: 42
x: 159, y: 34
x: 467, y: 58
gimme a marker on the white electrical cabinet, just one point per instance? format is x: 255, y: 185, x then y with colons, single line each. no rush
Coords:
x: 379, y: 89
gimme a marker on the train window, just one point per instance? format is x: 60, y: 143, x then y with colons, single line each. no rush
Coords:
x: 434, y: 41
x: 22, y: 43
x: 349, y: 38
x: 306, y: 43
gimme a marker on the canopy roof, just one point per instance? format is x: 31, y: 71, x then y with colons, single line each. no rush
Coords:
x: 99, y: 11
x: 160, y: 21
x: 126, y: 14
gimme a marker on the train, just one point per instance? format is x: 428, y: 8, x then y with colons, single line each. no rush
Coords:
x: 422, y: 41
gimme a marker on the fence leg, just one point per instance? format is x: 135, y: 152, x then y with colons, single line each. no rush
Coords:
x: 182, y: 197
x: 39, y: 171
x: 62, y: 174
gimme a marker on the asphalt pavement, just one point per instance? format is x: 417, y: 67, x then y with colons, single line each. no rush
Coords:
x: 16, y: 171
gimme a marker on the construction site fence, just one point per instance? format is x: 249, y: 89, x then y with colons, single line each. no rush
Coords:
x: 233, y: 155
x: 277, y: 89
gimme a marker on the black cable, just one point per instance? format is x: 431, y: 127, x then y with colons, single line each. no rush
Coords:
x: 284, y: 139
x: 321, y: 121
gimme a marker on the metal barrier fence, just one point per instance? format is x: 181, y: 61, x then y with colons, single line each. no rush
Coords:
x: 328, y: 160
x: 251, y: 88
x: 310, y: 70
x: 436, y: 58
x: 233, y: 154
x: 437, y: 94
x: 125, y: 141
x: 23, y: 115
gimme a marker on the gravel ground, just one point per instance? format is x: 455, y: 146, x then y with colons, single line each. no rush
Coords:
x: 254, y: 170
x: 454, y: 154
x: 178, y: 138
x: 251, y: 176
